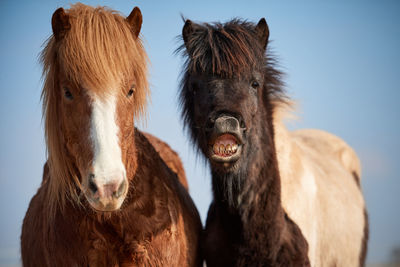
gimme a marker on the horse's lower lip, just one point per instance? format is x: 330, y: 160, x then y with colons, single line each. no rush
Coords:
x: 105, y: 205
x: 109, y: 207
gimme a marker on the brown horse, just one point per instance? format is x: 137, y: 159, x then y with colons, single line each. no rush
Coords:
x: 107, y: 197
x: 280, y: 198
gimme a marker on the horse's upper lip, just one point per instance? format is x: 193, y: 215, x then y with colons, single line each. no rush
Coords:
x: 237, y: 137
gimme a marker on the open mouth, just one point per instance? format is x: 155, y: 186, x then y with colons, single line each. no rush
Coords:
x: 225, y: 148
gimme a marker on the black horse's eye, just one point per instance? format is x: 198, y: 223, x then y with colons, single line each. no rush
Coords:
x: 131, y: 91
x: 67, y: 94
x: 255, y: 84
x: 194, y: 88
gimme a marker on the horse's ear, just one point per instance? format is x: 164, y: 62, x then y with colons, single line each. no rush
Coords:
x: 60, y: 23
x: 262, y: 32
x: 187, y: 32
x: 135, y: 21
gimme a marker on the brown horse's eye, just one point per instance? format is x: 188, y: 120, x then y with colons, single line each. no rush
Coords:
x: 255, y: 84
x: 131, y: 91
x: 67, y: 94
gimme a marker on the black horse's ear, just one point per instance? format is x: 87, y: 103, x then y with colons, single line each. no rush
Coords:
x: 135, y: 21
x: 262, y: 32
x: 187, y: 32
x: 60, y: 23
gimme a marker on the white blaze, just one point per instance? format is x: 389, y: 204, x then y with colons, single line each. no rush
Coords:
x: 107, y: 161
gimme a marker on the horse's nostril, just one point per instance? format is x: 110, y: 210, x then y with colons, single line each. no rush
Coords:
x: 92, y: 184
x: 210, y: 123
x: 242, y: 124
x: 120, y: 190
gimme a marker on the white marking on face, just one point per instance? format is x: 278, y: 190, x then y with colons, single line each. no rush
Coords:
x: 107, y: 159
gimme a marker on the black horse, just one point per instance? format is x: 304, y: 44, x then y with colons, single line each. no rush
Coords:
x: 228, y: 93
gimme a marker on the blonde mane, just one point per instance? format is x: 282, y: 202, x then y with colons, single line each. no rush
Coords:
x: 98, y: 50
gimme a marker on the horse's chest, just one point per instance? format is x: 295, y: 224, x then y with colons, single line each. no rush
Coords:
x: 160, y: 249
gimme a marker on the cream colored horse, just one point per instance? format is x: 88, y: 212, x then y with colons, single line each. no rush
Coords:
x: 321, y: 192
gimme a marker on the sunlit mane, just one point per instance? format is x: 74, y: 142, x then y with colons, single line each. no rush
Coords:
x: 97, y: 52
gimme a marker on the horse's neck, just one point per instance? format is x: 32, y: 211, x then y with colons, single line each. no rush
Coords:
x: 260, y: 208
x: 262, y: 218
x: 266, y: 226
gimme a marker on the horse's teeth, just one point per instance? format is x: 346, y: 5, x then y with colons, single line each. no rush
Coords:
x: 221, y: 149
x: 215, y: 149
x: 234, y: 148
x: 228, y: 149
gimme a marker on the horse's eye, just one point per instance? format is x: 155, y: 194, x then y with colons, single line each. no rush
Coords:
x: 131, y: 91
x: 255, y: 84
x: 67, y: 94
x: 194, y: 88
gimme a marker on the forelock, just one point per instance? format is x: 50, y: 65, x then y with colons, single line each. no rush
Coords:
x: 226, y: 50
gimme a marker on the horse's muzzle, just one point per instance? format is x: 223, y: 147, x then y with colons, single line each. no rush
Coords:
x: 225, y: 138
x: 106, y: 196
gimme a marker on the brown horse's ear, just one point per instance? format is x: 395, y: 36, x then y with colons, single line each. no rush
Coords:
x: 60, y: 23
x: 135, y: 21
x: 262, y: 32
x: 187, y: 31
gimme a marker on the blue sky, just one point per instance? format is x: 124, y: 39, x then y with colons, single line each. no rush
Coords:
x: 341, y: 60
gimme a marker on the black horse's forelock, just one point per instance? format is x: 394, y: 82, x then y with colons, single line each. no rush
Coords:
x: 229, y: 50
x: 223, y: 49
